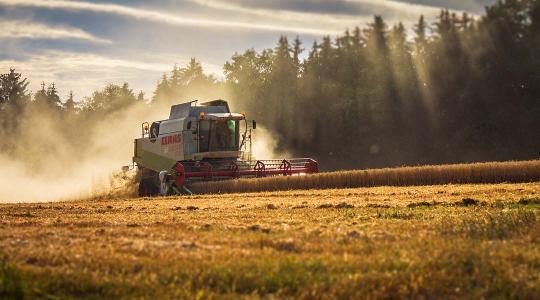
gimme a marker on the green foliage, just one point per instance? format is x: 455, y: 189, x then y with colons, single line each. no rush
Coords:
x: 111, y: 99
x: 284, y: 277
x: 13, y: 90
x: 12, y: 285
x: 47, y: 99
x: 499, y: 225
x: 70, y: 106
x: 373, y: 98
x: 13, y: 99
x: 184, y: 84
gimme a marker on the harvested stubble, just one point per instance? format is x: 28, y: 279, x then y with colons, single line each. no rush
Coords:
x: 422, y: 242
x: 492, y: 172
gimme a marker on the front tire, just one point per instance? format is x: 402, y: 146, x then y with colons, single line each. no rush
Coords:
x: 147, y: 188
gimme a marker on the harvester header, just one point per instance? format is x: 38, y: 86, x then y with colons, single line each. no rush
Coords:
x: 203, y: 142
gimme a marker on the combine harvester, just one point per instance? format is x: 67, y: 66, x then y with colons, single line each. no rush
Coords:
x: 203, y: 143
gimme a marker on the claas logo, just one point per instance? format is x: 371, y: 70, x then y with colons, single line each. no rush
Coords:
x: 171, y: 139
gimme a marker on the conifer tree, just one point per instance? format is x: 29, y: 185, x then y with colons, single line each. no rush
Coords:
x: 13, y: 90
x: 53, y: 99
x: 69, y: 106
x: 163, y: 90
x: 40, y: 97
x: 140, y: 97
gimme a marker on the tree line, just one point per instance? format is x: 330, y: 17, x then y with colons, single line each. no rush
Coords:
x: 458, y: 90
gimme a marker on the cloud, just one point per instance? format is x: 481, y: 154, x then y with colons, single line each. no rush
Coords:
x: 471, y: 6
x: 404, y: 7
x: 161, y: 17
x: 336, y: 22
x: 353, y: 7
x: 30, y: 30
x: 335, y: 15
x: 86, y: 72
x: 320, y: 8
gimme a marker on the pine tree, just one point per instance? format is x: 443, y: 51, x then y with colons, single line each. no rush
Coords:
x: 40, y: 97
x: 466, y: 22
x: 163, y: 90
x: 282, y: 83
x: 398, y: 38
x: 140, y: 97
x: 420, y: 35
x: 376, y: 36
x: 192, y: 73
x: 423, y: 80
x: 357, y: 38
x: 245, y: 75
x: 14, y: 98
x: 176, y: 78
x: 53, y: 99
x: 297, y: 50
x: 69, y: 106
x: 13, y: 90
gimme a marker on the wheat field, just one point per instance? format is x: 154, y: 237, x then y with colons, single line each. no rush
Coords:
x: 422, y: 242
x: 491, y: 172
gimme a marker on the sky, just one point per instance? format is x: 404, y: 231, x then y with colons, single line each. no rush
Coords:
x: 82, y: 46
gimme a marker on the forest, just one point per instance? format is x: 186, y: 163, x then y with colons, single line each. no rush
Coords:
x: 460, y: 89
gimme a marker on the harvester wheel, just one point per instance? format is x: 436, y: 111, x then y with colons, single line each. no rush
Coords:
x: 147, y: 188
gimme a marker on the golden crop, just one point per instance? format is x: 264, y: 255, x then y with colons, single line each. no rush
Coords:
x: 492, y: 172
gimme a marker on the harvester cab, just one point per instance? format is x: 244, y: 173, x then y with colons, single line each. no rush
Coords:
x: 202, y: 143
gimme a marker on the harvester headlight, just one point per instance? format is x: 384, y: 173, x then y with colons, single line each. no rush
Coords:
x: 201, y: 115
x: 145, y: 128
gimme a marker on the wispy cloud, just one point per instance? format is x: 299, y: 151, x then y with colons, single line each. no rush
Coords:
x: 337, y: 22
x: 337, y: 15
x: 161, y: 17
x: 470, y: 6
x: 87, y: 72
x: 404, y: 7
x: 341, y: 8
x: 30, y: 30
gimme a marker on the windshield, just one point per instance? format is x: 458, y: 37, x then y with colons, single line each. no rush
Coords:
x: 220, y: 135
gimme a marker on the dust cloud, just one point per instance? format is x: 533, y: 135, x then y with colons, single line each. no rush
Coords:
x: 89, y: 179
x: 53, y: 161
x: 57, y: 160
x: 265, y: 145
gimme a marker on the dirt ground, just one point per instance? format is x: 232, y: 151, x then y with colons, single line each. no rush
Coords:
x: 450, y: 241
